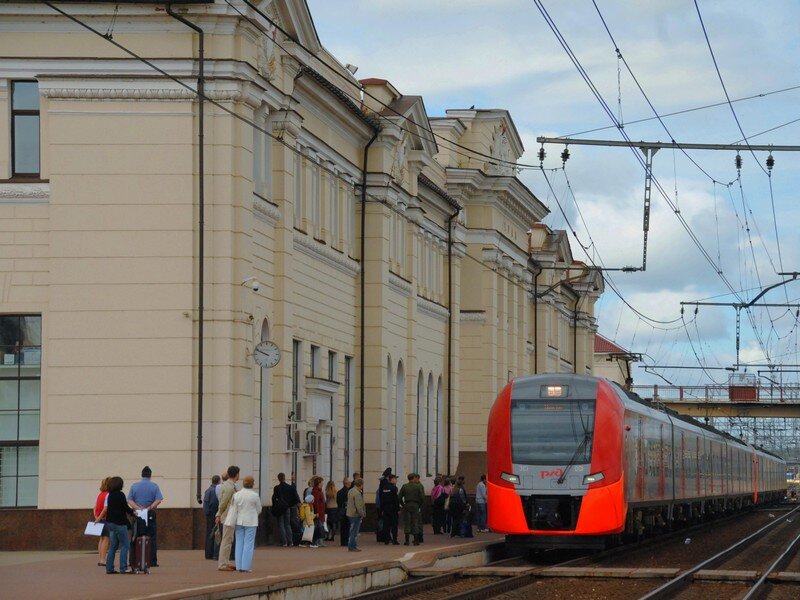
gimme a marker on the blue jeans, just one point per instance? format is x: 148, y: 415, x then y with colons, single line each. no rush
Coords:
x: 245, y: 545
x: 285, y: 528
x: 481, y: 510
x: 355, y: 525
x: 119, y: 537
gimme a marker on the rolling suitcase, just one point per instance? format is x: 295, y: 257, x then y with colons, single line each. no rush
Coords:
x: 141, y: 548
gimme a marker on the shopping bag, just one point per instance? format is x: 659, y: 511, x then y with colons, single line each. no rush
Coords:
x: 308, y: 533
x: 216, y: 533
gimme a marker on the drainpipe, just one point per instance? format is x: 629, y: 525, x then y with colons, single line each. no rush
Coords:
x: 200, y: 241
x: 534, y: 267
x: 575, y: 337
x: 450, y: 336
x: 361, y: 370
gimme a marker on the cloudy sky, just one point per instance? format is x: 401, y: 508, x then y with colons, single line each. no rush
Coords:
x: 502, y: 54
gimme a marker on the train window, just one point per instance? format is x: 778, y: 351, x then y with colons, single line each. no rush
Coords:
x: 552, y: 432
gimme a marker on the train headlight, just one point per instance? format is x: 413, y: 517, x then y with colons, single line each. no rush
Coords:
x: 593, y: 478
x: 510, y: 478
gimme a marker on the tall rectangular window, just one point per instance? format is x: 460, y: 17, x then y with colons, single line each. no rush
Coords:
x: 298, y: 192
x: 297, y: 370
x: 20, y: 387
x: 316, y: 357
x: 336, y: 215
x: 333, y: 365
x: 316, y: 201
x: 25, y: 129
x: 348, y: 413
x: 351, y: 220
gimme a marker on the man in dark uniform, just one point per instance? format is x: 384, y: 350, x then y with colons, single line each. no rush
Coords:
x: 341, y: 503
x: 390, y: 507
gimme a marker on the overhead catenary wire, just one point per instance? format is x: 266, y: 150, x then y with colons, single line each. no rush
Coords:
x: 576, y: 62
x: 767, y: 172
x: 699, y: 108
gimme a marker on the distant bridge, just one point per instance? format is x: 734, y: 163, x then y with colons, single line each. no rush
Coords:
x: 726, y: 401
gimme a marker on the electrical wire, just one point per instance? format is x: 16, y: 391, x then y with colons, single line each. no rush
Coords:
x: 473, y: 154
x: 604, y: 105
x: 695, y: 109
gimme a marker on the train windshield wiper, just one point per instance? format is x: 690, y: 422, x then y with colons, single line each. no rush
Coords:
x: 587, y: 436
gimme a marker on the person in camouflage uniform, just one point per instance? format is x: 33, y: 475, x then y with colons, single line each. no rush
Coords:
x: 412, y: 495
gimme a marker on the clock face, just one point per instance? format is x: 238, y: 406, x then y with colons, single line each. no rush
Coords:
x: 267, y: 354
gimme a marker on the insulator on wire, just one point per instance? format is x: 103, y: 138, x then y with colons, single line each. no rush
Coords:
x: 770, y: 162
x: 738, y: 162
x: 565, y: 156
x: 541, y: 154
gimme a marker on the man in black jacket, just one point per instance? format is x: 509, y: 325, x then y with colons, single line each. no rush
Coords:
x: 341, y: 503
x: 284, y: 497
x: 390, y: 507
x: 210, y: 508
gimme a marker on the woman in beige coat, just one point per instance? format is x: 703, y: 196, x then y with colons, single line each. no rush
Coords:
x: 247, y: 506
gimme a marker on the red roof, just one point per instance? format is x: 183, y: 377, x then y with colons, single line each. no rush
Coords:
x: 373, y: 81
x: 605, y: 346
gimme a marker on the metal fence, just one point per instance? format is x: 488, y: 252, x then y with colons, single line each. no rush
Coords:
x: 720, y: 393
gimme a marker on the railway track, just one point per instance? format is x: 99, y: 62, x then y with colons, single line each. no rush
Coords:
x: 745, y: 549
x: 497, y: 578
x: 479, y: 583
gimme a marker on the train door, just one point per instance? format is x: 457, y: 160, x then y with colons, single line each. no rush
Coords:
x: 755, y: 477
x: 711, y: 472
x: 683, y: 466
x: 640, y: 461
x: 697, y: 465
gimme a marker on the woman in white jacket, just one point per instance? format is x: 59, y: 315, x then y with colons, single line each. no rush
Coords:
x: 246, y: 507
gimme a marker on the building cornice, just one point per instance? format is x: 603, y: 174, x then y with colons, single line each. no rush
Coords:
x: 266, y: 210
x: 432, y: 309
x: 24, y: 193
x: 400, y: 285
x: 472, y: 316
x: 310, y: 247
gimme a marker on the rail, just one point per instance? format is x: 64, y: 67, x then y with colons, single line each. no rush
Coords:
x: 673, y: 586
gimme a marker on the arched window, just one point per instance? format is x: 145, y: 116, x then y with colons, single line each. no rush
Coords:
x: 420, y: 421
x: 430, y: 427
x: 400, y: 415
x: 439, y: 425
x: 391, y: 414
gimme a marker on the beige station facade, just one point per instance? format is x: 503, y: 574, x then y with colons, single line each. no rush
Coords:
x: 463, y: 286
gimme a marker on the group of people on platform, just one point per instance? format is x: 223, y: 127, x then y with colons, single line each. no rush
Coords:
x: 117, y: 513
x: 310, y: 520
x: 231, y: 521
x: 321, y: 512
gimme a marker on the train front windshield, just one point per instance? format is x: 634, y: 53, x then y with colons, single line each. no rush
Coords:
x: 551, y: 432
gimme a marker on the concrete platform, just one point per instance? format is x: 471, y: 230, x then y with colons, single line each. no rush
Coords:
x: 286, y: 573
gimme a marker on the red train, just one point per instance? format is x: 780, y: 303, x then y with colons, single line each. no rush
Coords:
x: 576, y: 461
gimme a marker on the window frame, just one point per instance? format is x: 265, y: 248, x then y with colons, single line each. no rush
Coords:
x: 23, y: 443
x: 24, y: 113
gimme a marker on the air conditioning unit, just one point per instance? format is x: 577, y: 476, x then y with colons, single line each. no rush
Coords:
x: 294, y: 438
x: 312, y: 443
x: 299, y: 412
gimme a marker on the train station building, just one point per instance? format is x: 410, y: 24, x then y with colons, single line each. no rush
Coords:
x: 397, y: 316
